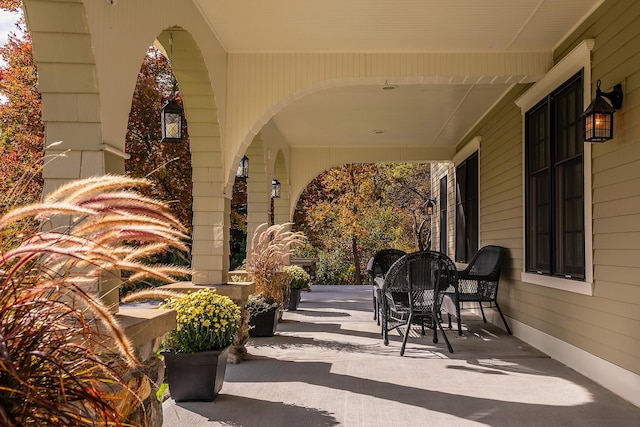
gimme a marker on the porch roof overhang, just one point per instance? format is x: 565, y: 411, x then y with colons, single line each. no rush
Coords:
x: 432, y: 110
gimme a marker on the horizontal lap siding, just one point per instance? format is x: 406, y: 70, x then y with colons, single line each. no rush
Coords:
x: 501, y: 192
x: 607, y: 324
x: 616, y: 196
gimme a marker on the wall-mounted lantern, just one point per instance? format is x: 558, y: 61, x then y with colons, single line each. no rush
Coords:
x: 598, y: 117
x: 430, y: 206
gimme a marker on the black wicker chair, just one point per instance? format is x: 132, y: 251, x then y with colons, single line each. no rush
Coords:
x: 412, y: 291
x: 378, y: 266
x: 479, y: 281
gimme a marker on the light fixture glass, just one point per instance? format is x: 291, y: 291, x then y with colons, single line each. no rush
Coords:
x: 275, y: 189
x: 243, y: 168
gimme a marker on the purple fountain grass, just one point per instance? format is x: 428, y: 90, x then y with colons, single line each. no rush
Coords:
x: 270, y: 248
x: 62, y: 353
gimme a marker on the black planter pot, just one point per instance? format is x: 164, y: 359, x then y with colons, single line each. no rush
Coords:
x: 195, y: 376
x: 264, y: 324
x: 294, y: 299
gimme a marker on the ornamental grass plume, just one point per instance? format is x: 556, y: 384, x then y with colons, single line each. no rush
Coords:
x: 64, y: 358
x: 270, y: 249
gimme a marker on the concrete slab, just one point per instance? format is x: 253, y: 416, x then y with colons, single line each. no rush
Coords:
x: 327, y: 366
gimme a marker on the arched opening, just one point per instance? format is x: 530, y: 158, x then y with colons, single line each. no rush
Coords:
x: 351, y: 211
x: 166, y: 164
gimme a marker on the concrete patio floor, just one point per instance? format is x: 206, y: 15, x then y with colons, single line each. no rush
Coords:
x: 327, y: 366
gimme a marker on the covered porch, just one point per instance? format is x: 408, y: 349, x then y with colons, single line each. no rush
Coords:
x: 301, y: 90
x: 327, y: 366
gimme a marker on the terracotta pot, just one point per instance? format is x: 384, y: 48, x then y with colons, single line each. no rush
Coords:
x: 195, y: 376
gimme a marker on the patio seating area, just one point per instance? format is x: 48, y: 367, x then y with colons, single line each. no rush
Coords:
x: 328, y: 366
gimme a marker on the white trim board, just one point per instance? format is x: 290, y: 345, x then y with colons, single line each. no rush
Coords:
x: 619, y: 381
x: 578, y: 59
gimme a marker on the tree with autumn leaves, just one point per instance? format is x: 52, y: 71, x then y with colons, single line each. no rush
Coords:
x: 352, y: 211
x: 21, y: 126
x: 167, y: 165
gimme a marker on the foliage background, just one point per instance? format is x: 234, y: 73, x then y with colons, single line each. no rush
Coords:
x: 21, y: 126
x: 352, y: 211
x: 166, y: 165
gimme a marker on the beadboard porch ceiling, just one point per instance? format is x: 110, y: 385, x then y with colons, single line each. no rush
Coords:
x: 434, y: 114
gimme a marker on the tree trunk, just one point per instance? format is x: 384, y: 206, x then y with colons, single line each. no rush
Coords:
x: 417, y: 231
x: 356, y: 260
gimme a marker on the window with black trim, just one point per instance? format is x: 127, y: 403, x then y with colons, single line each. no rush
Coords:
x: 467, y: 208
x: 444, y: 230
x: 554, y: 145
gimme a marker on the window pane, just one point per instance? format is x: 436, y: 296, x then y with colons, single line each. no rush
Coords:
x: 568, y: 123
x: 540, y: 224
x: 538, y: 202
x: 444, y: 232
x: 467, y: 209
x: 461, y: 226
x: 554, y: 145
x: 472, y: 206
x: 472, y: 228
x: 570, y: 224
x: 537, y: 138
x: 569, y: 202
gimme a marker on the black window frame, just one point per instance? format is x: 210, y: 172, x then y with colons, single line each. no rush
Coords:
x: 467, y: 208
x: 444, y: 229
x: 554, y: 184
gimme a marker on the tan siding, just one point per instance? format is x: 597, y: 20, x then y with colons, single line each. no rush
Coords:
x: 617, y: 291
x: 627, y: 240
x: 616, y: 192
x: 501, y: 190
x: 606, y: 323
x: 614, y: 225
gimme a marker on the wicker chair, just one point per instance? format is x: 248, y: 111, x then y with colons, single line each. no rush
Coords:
x: 412, y: 291
x: 479, y: 281
x: 378, y: 266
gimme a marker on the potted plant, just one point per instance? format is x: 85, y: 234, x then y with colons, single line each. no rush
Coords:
x: 195, y: 353
x: 270, y: 249
x: 263, y: 316
x: 299, y: 280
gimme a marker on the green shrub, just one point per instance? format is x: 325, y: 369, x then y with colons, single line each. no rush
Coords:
x: 333, y: 268
x: 300, y: 279
x: 256, y: 305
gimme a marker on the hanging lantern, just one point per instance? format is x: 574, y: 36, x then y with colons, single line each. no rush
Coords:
x: 275, y: 189
x: 171, y: 117
x: 172, y: 122
x: 243, y: 168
